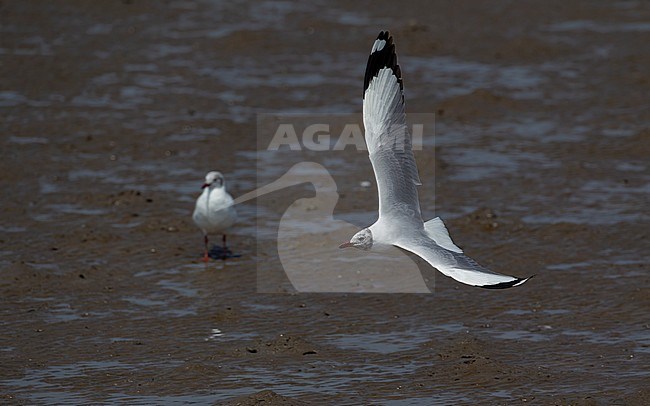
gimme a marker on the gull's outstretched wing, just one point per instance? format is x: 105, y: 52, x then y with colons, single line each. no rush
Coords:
x: 458, y: 265
x: 387, y: 136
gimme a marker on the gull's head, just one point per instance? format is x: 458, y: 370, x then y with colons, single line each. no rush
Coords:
x: 214, y: 180
x: 361, y: 240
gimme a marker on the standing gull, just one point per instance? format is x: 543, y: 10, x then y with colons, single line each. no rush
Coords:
x: 214, y: 212
x: 391, y: 155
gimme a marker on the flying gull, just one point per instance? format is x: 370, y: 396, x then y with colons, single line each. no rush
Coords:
x: 391, y: 155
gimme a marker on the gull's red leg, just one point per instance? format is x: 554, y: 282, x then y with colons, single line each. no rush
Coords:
x: 206, y: 258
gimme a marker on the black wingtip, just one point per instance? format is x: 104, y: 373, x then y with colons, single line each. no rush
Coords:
x: 506, y: 285
x: 382, y: 56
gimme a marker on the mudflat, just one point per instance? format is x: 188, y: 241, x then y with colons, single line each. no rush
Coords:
x: 112, y: 113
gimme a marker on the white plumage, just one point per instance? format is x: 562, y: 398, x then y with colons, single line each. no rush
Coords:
x: 391, y: 155
x: 214, y: 212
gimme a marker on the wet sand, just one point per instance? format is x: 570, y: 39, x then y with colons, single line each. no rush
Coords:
x: 114, y: 112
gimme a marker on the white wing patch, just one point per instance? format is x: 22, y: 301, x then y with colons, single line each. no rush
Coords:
x: 378, y: 45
